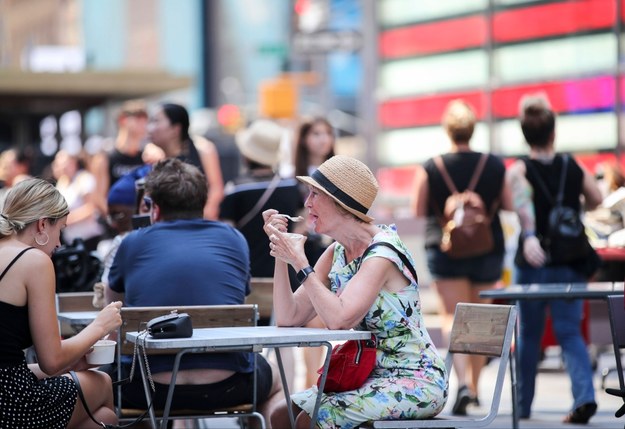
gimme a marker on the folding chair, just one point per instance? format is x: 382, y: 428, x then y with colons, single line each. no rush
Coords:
x: 202, y: 316
x: 478, y: 329
x: 617, y: 326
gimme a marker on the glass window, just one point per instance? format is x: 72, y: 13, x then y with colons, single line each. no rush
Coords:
x: 560, y: 58
x: 400, y: 12
x: 574, y: 133
x: 416, y: 145
x: 432, y: 74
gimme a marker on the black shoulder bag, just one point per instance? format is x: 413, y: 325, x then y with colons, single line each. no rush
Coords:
x: 565, y: 241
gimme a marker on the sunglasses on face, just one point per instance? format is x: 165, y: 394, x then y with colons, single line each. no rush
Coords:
x: 116, y: 217
x: 147, y: 202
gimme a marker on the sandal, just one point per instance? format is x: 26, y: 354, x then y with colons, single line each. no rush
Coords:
x: 463, y: 400
x: 581, y: 414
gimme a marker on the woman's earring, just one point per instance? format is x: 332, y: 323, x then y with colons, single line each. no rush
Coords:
x: 44, y: 243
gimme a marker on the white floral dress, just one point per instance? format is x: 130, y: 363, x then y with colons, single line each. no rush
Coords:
x: 409, y: 380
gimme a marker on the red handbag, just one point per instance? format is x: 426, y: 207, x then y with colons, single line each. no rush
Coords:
x: 350, y: 365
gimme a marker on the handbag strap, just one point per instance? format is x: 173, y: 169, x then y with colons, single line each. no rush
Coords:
x: 406, y: 262
x: 81, y: 395
x: 260, y: 203
x: 140, y: 418
x: 401, y: 255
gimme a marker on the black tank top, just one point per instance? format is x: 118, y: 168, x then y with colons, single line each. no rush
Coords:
x: 190, y: 155
x: 120, y: 164
x: 14, y: 327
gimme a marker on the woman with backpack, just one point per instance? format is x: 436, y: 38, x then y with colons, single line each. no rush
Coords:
x: 553, y: 248
x: 457, y: 199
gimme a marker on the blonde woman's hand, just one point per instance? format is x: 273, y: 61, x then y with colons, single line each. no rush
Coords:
x: 110, y: 318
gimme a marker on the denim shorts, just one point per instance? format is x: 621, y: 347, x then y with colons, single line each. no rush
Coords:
x: 479, y: 269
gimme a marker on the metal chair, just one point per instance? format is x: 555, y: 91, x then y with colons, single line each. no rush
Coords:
x: 617, y: 326
x: 478, y: 329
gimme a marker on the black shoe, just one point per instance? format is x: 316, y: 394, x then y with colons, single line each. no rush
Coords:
x: 581, y: 414
x: 463, y: 399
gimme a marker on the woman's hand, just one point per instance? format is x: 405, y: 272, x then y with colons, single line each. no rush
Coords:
x: 287, y: 247
x: 270, y: 216
x: 533, y: 253
x: 109, y: 318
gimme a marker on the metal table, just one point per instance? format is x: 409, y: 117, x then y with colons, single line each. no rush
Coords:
x: 591, y: 290
x: 253, y: 339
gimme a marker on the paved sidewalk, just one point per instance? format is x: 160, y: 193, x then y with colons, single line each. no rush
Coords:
x: 552, y: 401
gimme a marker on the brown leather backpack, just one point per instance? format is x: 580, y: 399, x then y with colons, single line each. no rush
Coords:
x: 465, y: 221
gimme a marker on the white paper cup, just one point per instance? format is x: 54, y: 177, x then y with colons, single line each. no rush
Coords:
x: 103, y: 353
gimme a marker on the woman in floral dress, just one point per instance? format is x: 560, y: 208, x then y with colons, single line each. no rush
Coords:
x: 374, y: 292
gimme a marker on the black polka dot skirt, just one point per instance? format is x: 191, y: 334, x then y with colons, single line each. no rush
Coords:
x: 29, y: 403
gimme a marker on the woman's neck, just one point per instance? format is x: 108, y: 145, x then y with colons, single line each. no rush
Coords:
x: 356, y: 240
x: 545, y: 154
x: 460, y: 147
x: 172, y: 148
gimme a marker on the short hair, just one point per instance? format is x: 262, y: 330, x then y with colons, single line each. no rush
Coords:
x: 133, y: 108
x: 538, y: 121
x: 28, y: 201
x: 459, y: 120
x: 179, y: 189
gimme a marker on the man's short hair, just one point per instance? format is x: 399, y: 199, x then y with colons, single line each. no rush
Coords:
x: 179, y: 189
x: 538, y: 121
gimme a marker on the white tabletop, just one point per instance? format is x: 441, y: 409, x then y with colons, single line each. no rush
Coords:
x: 270, y: 336
x: 77, y: 317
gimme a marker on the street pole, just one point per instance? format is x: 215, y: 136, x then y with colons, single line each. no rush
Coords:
x: 367, y: 104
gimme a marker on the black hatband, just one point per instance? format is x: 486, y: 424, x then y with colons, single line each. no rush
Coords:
x: 336, y: 192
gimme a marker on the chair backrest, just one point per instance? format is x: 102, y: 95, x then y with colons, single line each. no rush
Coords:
x: 74, y: 301
x: 478, y: 329
x: 487, y: 330
x: 202, y: 316
x: 261, y: 294
x: 617, y: 326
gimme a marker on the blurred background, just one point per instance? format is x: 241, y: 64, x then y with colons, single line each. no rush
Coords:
x: 381, y: 70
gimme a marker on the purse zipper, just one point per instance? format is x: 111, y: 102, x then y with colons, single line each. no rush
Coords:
x: 357, y: 359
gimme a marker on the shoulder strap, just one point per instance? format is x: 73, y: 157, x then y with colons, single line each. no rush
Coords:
x: 438, y: 161
x: 565, y: 164
x: 477, y: 172
x: 19, y: 255
x: 541, y: 184
x: 260, y: 203
x: 403, y: 257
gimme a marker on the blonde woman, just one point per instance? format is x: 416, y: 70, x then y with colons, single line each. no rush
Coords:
x: 461, y: 280
x: 42, y: 395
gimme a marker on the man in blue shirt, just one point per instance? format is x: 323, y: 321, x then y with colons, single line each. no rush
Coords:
x: 183, y: 259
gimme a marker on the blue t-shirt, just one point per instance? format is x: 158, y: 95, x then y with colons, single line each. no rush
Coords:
x: 185, y: 262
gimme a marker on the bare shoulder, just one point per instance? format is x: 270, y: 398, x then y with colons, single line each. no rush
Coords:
x: 203, y: 145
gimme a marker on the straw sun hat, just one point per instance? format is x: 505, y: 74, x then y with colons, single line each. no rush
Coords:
x: 260, y: 142
x: 348, y: 181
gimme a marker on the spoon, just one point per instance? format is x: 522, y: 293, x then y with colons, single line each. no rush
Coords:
x: 292, y: 218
